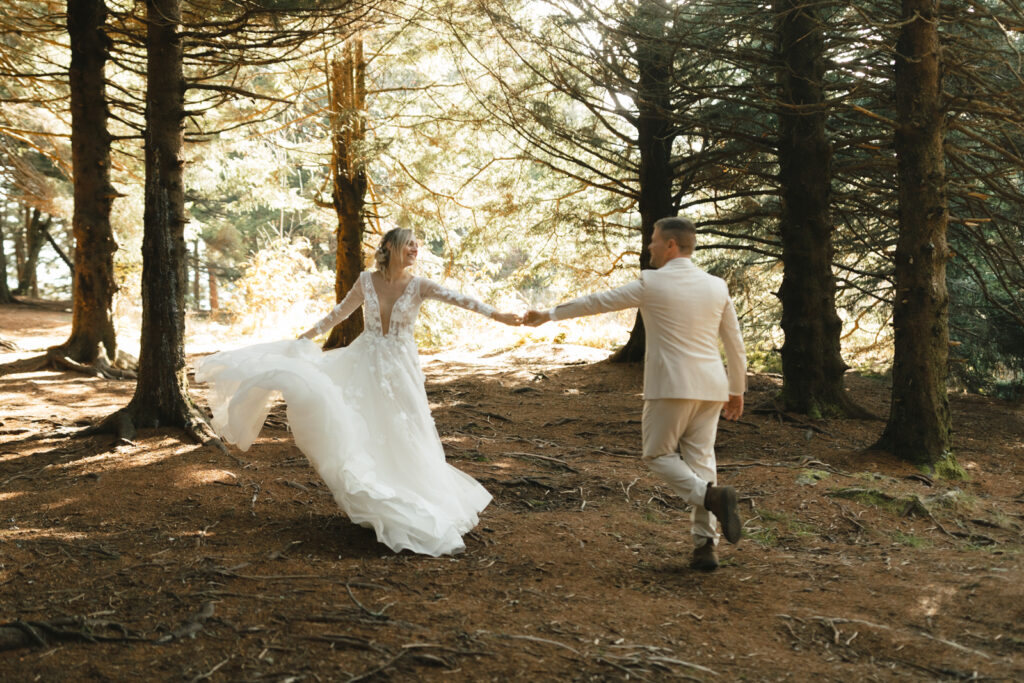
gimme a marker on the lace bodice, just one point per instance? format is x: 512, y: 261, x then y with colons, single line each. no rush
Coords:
x: 402, y: 320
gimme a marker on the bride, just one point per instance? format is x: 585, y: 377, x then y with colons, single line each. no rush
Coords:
x: 360, y: 413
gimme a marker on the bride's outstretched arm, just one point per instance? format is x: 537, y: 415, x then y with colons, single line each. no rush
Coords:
x: 431, y: 290
x: 350, y: 303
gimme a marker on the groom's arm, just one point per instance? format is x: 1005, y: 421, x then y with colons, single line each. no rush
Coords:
x: 627, y: 296
x: 735, y: 354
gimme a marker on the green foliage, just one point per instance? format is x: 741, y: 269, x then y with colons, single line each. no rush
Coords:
x: 505, y: 135
x: 280, y: 290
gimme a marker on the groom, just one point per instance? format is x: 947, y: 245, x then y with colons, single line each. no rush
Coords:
x: 685, y: 312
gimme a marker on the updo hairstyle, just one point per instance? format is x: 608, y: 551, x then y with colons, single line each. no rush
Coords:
x: 393, y: 242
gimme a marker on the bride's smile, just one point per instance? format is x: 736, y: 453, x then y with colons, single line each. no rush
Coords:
x: 409, y: 253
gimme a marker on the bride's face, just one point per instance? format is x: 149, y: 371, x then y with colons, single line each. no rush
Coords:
x: 409, y: 253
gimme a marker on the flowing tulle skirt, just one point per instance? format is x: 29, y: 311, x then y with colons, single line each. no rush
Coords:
x: 360, y: 414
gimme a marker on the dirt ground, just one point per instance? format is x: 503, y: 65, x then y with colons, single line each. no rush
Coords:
x: 184, y: 563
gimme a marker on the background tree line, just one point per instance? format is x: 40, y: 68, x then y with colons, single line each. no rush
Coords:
x: 855, y: 167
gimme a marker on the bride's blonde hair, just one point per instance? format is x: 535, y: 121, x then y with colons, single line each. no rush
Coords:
x: 393, y: 242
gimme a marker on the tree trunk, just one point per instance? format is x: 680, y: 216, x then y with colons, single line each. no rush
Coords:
x: 214, y: 300
x: 5, y: 292
x: 19, y: 250
x: 919, y: 421
x: 92, y: 319
x: 812, y: 363
x: 55, y: 245
x: 161, y: 395
x: 348, y: 170
x: 197, y: 287
x: 655, y: 135
x: 33, y: 241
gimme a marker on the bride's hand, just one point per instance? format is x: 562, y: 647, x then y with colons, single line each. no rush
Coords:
x: 507, y: 318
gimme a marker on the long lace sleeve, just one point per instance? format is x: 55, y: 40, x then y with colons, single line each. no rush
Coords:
x: 431, y: 290
x: 350, y: 303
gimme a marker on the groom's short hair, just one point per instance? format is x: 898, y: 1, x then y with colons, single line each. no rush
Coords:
x: 681, y: 230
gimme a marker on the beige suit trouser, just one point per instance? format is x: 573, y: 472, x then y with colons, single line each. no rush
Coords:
x: 679, y: 446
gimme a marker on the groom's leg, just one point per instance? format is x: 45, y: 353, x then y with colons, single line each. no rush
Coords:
x: 665, y: 421
x: 697, y: 449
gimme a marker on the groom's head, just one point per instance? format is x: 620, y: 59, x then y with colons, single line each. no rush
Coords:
x: 673, y: 237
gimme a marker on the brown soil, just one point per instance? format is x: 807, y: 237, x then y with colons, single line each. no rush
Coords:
x: 203, y: 566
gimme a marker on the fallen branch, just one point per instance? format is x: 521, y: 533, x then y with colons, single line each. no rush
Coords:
x: 545, y: 458
x: 191, y: 627
x: 534, y: 639
x: 383, y: 667
x: 844, y: 620
x: 376, y: 615
x: 18, y: 634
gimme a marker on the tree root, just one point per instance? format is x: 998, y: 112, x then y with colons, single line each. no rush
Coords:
x: 124, y: 423
x: 18, y: 634
x: 191, y: 627
x: 123, y: 368
x: 846, y: 408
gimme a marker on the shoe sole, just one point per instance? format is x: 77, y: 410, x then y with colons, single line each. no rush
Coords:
x: 732, y: 527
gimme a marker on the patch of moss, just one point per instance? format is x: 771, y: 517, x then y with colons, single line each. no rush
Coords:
x: 900, y: 506
x: 766, y: 537
x: 810, y: 476
x: 948, y: 468
x: 866, y: 496
x: 777, y: 526
x: 911, y: 541
x: 771, y: 516
x: 874, y: 477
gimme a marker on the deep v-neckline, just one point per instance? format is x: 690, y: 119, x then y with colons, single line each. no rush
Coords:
x: 380, y: 308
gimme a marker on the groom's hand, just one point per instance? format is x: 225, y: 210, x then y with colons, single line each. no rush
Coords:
x: 535, y: 318
x: 733, y: 408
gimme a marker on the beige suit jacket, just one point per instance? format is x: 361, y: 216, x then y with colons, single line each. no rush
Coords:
x: 685, y: 311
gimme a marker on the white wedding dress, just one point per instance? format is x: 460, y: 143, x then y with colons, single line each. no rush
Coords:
x: 360, y: 414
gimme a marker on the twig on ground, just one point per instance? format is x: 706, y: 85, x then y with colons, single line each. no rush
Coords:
x: 534, y: 639
x: 203, y: 677
x: 20, y: 634
x: 862, y: 622
x: 376, y: 615
x: 383, y: 667
x: 191, y: 627
x: 545, y: 458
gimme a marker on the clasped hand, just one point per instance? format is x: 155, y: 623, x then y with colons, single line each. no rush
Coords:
x: 507, y: 318
x: 535, y: 318
x: 531, y: 318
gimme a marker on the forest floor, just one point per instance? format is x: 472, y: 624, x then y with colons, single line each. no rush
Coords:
x: 185, y: 563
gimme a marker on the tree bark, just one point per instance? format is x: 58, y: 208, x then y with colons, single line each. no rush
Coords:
x: 812, y: 363
x: 655, y: 134
x: 92, y: 319
x: 197, y: 287
x: 33, y: 241
x: 161, y: 396
x: 348, y: 171
x: 214, y: 300
x: 919, y: 423
x: 5, y: 291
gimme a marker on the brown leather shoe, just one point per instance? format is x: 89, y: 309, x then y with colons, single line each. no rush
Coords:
x: 704, y: 557
x: 721, y: 501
